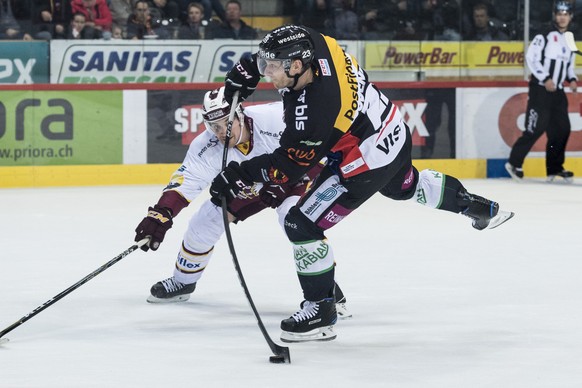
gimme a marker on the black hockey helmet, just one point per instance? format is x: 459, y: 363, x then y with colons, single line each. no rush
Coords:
x: 563, y: 6
x: 284, y: 44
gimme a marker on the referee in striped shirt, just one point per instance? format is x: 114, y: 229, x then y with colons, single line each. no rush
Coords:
x: 551, y: 63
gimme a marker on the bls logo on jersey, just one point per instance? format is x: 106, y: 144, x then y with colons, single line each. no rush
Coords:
x: 54, y: 126
x: 189, y: 122
x: 11, y: 69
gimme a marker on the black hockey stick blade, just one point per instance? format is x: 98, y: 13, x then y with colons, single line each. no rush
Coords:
x: 571, y: 42
x: 66, y: 292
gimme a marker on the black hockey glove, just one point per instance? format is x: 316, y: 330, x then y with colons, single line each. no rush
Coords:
x: 244, y: 77
x: 273, y: 195
x: 155, y: 224
x: 230, y: 182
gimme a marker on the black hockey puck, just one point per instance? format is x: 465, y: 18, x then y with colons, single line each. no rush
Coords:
x: 277, y: 359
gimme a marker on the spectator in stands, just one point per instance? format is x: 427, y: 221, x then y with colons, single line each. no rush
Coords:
x: 483, y: 28
x: 165, y: 17
x: 195, y: 26
x: 79, y: 29
x: 233, y: 27
x: 165, y: 10
x: 139, y: 22
x: 345, y: 21
x: 502, y: 13
x: 375, y: 19
x: 116, y: 32
x: 405, y: 22
x: 208, y: 5
x: 10, y: 29
x: 120, y: 12
x: 10, y: 33
x: 441, y: 20
x: 314, y: 14
x: 51, y: 18
x: 96, y: 12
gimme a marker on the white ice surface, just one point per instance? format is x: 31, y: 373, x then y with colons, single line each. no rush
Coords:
x: 435, y: 302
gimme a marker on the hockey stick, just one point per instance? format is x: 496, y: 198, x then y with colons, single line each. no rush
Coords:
x: 571, y: 42
x: 66, y: 292
x: 281, y: 353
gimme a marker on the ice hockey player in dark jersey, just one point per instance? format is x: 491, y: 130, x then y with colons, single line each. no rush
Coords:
x: 256, y: 130
x: 333, y: 111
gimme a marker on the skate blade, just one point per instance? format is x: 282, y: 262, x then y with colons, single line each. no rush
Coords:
x: 501, y: 217
x: 554, y: 179
x: 320, y: 334
x: 175, y: 299
x: 512, y: 174
x: 342, y: 311
x: 3, y: 341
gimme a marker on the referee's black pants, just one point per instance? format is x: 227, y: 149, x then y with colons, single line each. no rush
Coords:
x: 546, y: 112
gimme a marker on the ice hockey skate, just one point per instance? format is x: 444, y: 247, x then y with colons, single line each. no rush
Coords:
x: 314, y: 322
x: 170, y: 291
x: 568, y: 176
x: 516, y: 173
x: 340, y: 304
x: 484, y: 213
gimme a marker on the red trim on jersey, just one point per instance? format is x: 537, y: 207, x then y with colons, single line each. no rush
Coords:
x: 348, y: 146
x: 387, y: 122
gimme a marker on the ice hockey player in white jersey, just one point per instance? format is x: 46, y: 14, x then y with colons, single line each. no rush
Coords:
x: 256, y: 130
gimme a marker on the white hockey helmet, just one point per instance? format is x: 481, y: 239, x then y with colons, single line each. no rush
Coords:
x: 216, y: 108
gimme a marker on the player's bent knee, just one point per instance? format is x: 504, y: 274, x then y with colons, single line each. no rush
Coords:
x: 300, y: 228
x: 405, y: 194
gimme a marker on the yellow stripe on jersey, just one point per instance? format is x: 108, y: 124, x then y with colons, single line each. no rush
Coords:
x: 347, y: 79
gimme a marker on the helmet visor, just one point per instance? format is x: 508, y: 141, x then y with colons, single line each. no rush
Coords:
x: 217, y: 126
x: 269, y: 67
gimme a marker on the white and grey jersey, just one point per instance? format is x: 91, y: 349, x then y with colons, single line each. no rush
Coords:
x: 203, y: 160
x: 548, y: 56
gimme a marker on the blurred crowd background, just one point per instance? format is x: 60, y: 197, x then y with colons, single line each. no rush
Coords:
x: 445, y: 20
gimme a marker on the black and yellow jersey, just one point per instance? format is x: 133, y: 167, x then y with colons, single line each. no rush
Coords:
x: 340, y: 111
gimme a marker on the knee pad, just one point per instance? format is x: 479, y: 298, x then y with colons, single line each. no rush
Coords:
x: 284, y: 208
x: 300, y: 228
x: 403, y: 190
x: 205, y: 228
